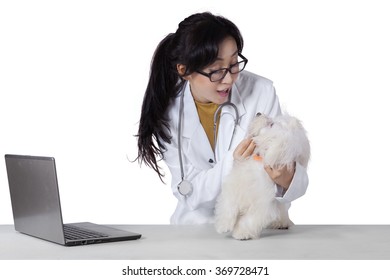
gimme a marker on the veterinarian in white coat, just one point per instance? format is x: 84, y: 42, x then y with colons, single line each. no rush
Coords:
x: 210, y: 76
x: 251, y: 94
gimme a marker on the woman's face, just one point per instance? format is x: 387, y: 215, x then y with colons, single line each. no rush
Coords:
x: 205, y: 91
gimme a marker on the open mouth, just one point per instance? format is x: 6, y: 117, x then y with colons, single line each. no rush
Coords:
x: 224, y: 93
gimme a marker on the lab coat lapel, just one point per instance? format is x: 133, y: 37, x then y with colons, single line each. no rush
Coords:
x: 195, y: 142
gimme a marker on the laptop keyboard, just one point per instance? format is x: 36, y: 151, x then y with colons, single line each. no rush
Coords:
x: 75, y: 233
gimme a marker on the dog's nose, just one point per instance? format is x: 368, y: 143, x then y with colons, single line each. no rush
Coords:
x: 258, y: 114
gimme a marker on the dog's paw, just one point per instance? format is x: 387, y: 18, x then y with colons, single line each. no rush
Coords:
x: 224, y: 226
x: 279, y: 224
x: 241, y: 234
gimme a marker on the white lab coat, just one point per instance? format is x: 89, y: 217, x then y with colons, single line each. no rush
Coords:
x: 251, y: 94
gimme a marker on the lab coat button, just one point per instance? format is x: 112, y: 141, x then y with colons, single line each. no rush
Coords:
x: 211, y: 160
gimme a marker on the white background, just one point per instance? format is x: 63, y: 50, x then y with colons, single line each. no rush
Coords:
x: 73, y: 75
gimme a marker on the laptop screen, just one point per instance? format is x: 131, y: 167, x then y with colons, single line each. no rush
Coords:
x: 35, y: 197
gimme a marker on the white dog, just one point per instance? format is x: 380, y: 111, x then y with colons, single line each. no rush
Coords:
x: 247, y: 201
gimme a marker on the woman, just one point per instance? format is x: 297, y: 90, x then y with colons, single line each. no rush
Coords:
x: 193, y: 71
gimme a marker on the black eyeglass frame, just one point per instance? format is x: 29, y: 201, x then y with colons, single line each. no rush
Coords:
x: 229, y: 69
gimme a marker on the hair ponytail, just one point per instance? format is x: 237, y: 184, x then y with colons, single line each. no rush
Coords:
x: 162, y: 86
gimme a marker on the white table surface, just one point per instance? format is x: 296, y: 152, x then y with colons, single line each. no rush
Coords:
x: 301, y: 242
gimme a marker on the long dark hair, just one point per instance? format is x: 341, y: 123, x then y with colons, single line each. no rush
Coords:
x: 194, y: 45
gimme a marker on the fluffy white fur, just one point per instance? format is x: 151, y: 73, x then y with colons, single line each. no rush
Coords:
x: 247, y: 201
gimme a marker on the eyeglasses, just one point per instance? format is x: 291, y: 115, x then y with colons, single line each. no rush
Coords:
x: 219, y: 74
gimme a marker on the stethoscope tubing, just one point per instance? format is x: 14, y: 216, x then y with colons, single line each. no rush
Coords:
x: 216, y: 114
x: 179, y: 135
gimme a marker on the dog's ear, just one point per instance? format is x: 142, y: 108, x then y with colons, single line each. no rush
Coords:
x: 304, y: 155
x: 302, y: 141
x: 290, y: 145
x: 278, y: 152
x: 295, y: 123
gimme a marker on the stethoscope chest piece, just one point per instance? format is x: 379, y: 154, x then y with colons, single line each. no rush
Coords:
x: 185, y: 188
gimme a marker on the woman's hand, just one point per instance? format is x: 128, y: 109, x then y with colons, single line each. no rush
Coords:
x: 282, y: 176
x: 244, y: 149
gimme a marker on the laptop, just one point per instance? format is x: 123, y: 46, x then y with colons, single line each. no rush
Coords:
x: 36, y: 205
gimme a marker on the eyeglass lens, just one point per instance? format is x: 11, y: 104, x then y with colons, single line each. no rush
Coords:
x: 234, y: 69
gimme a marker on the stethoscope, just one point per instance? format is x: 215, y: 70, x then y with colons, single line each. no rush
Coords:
x: 185, y: 187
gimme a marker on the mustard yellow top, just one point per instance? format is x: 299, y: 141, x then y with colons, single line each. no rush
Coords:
x: 206, y: 116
